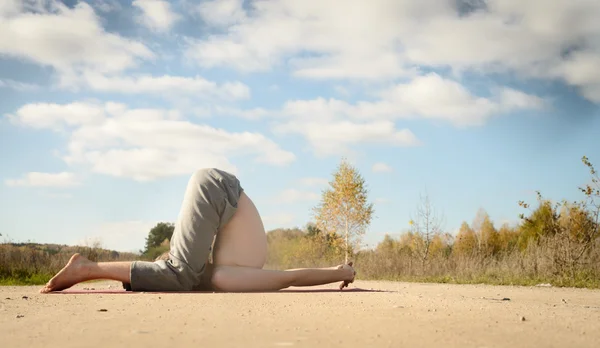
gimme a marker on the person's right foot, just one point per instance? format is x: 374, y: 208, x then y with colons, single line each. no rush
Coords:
x: 74, y: 272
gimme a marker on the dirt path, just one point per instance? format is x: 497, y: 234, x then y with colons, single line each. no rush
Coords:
x: 398, y: 314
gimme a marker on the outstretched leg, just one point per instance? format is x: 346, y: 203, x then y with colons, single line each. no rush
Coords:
x: 80, y: 269
x: 210, y: 201
x: 248, y: 279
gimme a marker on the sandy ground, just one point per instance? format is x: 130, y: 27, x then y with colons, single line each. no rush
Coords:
x: 393, y: 315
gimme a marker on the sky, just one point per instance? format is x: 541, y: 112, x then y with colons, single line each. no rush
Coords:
x: 107, y: 107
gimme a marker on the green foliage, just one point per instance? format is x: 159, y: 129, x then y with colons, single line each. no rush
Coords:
x: 312, y: 230
x: 489, y: 237
x: 569, y: 231
x: 540, y: 223
x: 24, y: 278
x: 507, y: 238
x: 556, y: 243
x: 158, y: 234
x: 344, y: 209
x: 154, y: 252
x: 466, y: 242
x: 294, y: 248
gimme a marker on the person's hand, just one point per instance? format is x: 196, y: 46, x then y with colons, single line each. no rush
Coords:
x: 349, y: 274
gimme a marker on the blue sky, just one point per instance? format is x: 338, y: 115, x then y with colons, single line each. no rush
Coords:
x: 107, y: 107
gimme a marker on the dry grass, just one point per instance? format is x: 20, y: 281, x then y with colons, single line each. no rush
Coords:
x: 29, y: 264
x: 392, y: 261
x: 34, y: 264
x: 542, y: 261
x: 515, y: 268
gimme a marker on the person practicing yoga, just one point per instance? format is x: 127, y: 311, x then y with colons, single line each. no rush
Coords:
x: 215, y: 209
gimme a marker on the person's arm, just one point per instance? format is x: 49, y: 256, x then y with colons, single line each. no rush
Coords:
x: 242, y: 279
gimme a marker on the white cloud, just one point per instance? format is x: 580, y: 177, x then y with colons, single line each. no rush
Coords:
x: 272, y: 221
x: 37, y: 179
x: 294, y: 196
x: 389, y: 39
x: 381, y: 167
x: 333, y: 126
x: 69, y: 40
x: 57, y: 116
x: 581, y: 69
x: 156, y: 15
x: 335, y: 137
x: 145, y: 144
x: 197, y: 86
x: 220, y: 13
x: 74, y: 42
x: 310, y: 181
x: 10, y: 7
x: 341, y: 50
x: 432, y: 96
x: 512, y: 99
x: 18, y: 86
x: 429, y: 96
x: 344, y: 66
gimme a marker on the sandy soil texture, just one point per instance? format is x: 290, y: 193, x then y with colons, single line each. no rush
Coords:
x: 391, y: 315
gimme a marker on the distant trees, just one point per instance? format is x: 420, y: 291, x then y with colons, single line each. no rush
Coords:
x: 487, y: 235
x: 427, y: 224
x: 556, y: 243
x: 159, y: 233
x: 466, y: 241
x: 157, y: 242
x: 344, y: 209
x: 294, y: 248
x: 568, y: 230
x: 507, y: 238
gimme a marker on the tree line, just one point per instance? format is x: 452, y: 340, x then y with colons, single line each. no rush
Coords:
x: 555, y: 243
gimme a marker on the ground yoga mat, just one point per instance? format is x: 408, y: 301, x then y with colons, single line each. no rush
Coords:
x: 123, y: 291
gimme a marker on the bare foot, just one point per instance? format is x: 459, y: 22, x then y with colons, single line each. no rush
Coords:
x: 75, y: 271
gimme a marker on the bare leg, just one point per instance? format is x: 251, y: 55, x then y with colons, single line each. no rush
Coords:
x: 240, y: 253
x: 241, y: 279
x: 80, y: 269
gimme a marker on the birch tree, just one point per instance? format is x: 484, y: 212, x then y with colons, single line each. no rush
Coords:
x: 344, y: 209
x: 427, y: 224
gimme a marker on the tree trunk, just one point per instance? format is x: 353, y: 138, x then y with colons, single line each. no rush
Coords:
x: 346, y: 248
x: 346, y: 241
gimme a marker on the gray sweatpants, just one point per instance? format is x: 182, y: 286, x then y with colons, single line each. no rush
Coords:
x: 209, y: 202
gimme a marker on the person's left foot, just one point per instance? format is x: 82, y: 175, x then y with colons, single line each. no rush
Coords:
x: 74, y: 272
